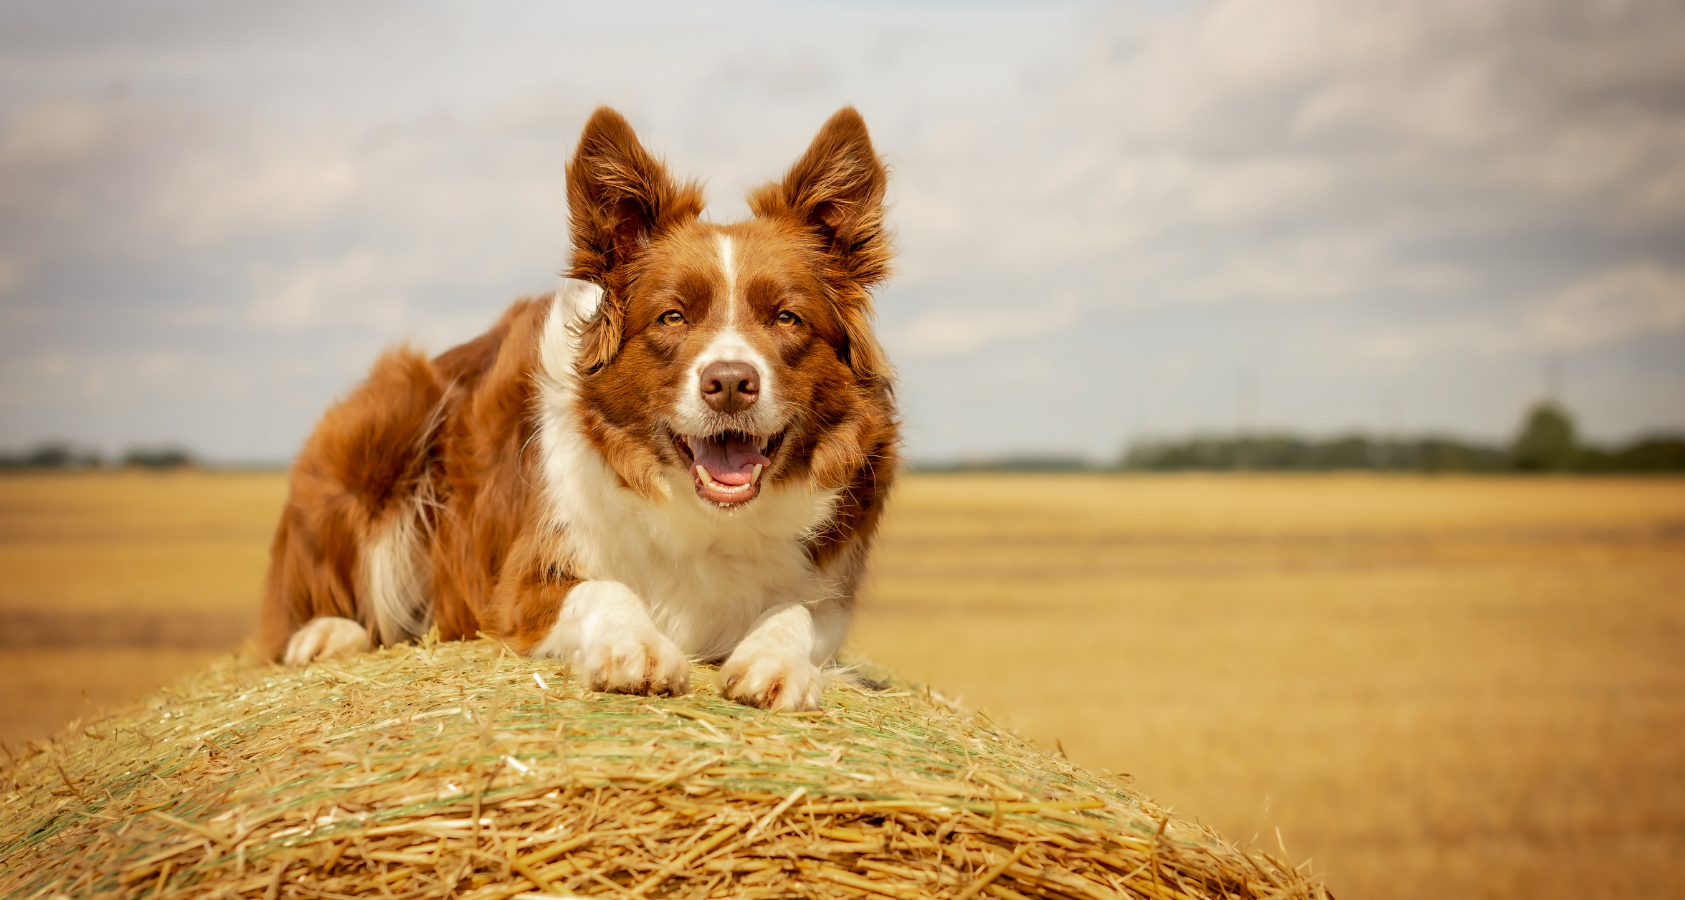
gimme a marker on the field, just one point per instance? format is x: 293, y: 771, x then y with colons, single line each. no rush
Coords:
x: 1430, y: 686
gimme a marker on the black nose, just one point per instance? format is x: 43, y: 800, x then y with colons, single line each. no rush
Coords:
x: 730, y: 386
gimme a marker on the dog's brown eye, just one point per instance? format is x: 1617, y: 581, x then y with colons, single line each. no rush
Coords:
x: 787, y: 319
x: 672, y: 317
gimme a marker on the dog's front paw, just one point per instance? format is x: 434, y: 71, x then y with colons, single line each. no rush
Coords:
x: 325, y: 638
x: 636, y: 662
x: 775, y: 681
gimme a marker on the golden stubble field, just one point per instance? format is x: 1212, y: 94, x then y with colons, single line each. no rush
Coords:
x: 1432, y: 687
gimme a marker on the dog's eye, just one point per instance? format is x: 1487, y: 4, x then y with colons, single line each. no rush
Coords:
x: 672, y: 317
x: 787, y: 319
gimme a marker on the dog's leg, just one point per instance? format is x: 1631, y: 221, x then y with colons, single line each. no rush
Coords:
x: 606, y: 631
x: 777, y: 665
x: 325, y: 638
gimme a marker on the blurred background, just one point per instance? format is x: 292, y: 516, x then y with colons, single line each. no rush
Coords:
x: 1290, y: 387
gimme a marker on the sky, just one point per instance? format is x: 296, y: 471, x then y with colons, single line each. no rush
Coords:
x: 1114, y: 222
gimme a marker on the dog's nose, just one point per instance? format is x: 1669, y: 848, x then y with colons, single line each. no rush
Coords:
x: 730, y: 386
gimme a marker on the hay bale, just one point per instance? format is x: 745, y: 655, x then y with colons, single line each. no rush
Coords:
x: 462, y: 770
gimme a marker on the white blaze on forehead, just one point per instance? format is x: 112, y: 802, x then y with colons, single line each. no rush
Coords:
x: 729, y: 344
x: 730, y: 271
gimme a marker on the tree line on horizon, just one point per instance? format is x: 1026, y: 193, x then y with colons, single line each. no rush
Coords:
x: 1547, y: 441
x: 65, y: 456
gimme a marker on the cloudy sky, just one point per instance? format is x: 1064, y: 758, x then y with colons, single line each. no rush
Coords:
x: 1113, y: 221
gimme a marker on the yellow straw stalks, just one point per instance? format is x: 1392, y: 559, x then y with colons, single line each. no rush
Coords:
x: 459, y: 769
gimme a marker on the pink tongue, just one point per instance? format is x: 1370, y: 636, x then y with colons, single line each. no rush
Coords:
x: 729, y: 460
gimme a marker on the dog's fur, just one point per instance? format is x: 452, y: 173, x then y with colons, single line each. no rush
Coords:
x: 553, y: 481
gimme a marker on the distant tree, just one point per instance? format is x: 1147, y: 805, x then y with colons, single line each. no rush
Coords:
x: 1028, y: 463
x: 51, y: 455
x: 1652, y: 453
x: 166, y: 457
x: 1546, y: 442
x: 1439, y: 454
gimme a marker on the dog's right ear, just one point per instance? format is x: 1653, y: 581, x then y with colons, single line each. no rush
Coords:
x: 619, y: 199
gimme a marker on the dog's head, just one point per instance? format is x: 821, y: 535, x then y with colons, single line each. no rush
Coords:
x: 739, y: 355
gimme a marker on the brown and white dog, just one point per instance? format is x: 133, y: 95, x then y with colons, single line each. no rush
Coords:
x: 681, y: 455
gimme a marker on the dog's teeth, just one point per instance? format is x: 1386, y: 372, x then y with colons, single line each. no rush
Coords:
x: 755, y: 475
x: 702, y: 473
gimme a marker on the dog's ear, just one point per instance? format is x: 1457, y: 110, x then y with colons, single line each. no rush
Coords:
x: 619, y: 199
x: 835, y: 192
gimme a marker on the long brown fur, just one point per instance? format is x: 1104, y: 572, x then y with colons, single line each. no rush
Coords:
x: 446, y: 440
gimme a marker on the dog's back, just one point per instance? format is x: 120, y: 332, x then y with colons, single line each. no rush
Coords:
x: 380, y: 523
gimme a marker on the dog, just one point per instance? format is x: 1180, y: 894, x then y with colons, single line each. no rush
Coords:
x: 682, y: 455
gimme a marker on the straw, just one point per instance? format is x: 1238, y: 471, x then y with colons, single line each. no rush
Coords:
x: 459, y: 769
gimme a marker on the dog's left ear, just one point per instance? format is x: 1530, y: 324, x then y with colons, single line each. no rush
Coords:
x: 835, y: 192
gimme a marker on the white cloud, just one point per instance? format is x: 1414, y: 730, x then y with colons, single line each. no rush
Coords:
x: 1629, y: 302
x: 1640, y: 299
x: 54, y: 132
x: 358, y: 286
x: 217, y: 198
x: 953, y: 332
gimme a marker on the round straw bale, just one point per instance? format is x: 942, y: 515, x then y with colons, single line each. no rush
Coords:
x: 460, y: 769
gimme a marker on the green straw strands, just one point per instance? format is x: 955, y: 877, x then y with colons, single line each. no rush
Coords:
x: 459, y: 769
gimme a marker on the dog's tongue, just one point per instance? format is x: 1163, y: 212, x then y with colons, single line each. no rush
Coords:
x: 729, y: 459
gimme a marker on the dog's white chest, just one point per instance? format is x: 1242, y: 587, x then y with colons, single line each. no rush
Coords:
x: 704, y: 574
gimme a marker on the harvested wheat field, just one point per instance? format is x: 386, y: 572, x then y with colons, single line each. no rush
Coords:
x: 460, y: 769
x: 1432, y: 687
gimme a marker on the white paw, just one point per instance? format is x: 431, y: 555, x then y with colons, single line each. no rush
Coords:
x: 783, y: 682
x: 635, y: 661
x: 325, y: 638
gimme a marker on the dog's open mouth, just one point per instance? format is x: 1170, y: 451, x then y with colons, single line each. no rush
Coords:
x: 727, y: 467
